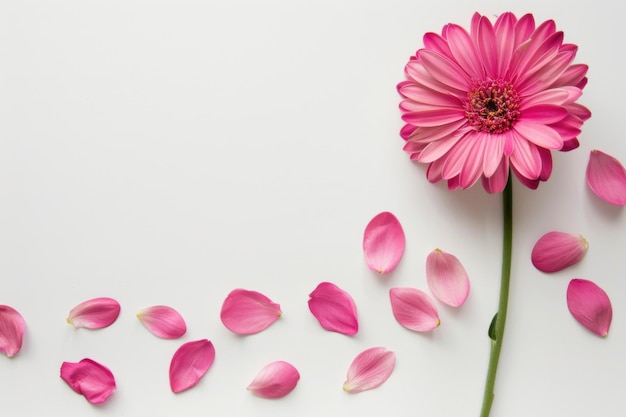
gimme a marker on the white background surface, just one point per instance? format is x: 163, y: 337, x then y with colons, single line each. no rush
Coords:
x: 167, y: 152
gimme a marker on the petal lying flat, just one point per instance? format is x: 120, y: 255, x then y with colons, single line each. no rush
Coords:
x: 248, y: 312
x: 334, y: 309
x: 12, y: 327
x: 446, y: 277
x: 606, y: 177
x: 383, y: 243
x: 275, y: 380
x: 90, y: 379
x: 590, y: 306
x: 96, y: 313
x: 163, y: 321
x: 414, y: 309
x: 369, y: 369
x: 190, y: 363
x: 555, y: 251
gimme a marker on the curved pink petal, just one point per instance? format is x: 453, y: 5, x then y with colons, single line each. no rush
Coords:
x: 334, y: 309
x: 12, y: 327
x: 414, y: 309
x: 446, y: 277
x: 383, y: 243
x: 90, y: 379
x: 275, y: 380
x: 590, y: 306
x: 163, y: 321
x: 96, y: 313
x: 369, y: 369
x: 555, y: 251
x: 606, y: 177
x: 248, y: 312
x: 190, y: 363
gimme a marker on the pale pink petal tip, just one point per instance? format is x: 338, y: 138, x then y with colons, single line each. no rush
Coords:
x: 414, y: 309
x: 334, y: 309
x: 446, y: 277
x: 275, y: 380
x: 369, y: 369
x: 555, y: 251
x: 247, y: 312
x: 606, y: 177
x: 96, y: 313
x: 383, y: 243
x: 90, y: 379
x: 190, y: 363
x: 590, y: 306
x: 12, y: 327
x: 163, y: 322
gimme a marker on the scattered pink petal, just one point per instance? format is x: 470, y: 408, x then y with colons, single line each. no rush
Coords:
x: 189, y: 364
x: 590, y: 306
x: 383, y: 243
x: 163, y: 321
x: 446, y: 277
x: 414, y: 309
x: 606, y: 177
x: 275, y: 380
x: 369, y: 369
x: 96, y: 313
x: 334, y: 309
x: 89, y: 378
x: 248, y: 312
x: 555, y: 251
x: 12, y: 326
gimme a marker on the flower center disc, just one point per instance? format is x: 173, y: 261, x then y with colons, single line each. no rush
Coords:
x: 492, y: 106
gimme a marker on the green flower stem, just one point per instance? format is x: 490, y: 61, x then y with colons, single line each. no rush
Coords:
x: 500, y: 321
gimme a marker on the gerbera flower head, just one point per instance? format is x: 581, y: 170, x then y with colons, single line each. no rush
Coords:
x: 498, y: 98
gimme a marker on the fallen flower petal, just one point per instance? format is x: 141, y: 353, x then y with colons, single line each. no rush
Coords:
x: 275, y: 380
x: 163, y: 321
x: 89, y: 378
x: 555, y: 251
x: 606, y: 177
x: 590, y: 306
x: 334, y: 309
x: 12, y: 326
x: 446, y: 277
x: 248, y: 312
x: 369, y: 369
x: 190, y: 363
x: 96, y: 313
x: 383, y: 243
x: 414, y: 309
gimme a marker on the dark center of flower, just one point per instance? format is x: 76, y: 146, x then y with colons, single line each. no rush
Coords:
x: 492, y: 106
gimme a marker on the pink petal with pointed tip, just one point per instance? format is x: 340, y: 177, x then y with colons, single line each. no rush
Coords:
x: 414, y: 309
x: 590, y: 306
x: 90, y: 379
x: 275, y: 380
x: 334, y: 309
x: 369, y: 369
x: 96, y: 313
x: 555, y: 251
x: 190, y: 363
x: 446, y: 277
x: 12, y: 327
x: 606, y: 177
x: 248, y: 312
x: 163, y: 321
x: 383, y: 243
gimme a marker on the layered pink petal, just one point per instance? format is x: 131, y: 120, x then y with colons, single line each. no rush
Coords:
x: 12, y: 327
x: 414, y: 309
x: 163, y: 321
x: 248, y: 312
x: 369, y: 369
x: 190, y: 363
x: 96, y: 313
x: 334, y: 309
x: 446, y: 277
x: 555, y: 251
x: 590, y: 306
x: 383, y: 243
x: 275, y: 380
x: 606, y: 177
x: 90, y: 379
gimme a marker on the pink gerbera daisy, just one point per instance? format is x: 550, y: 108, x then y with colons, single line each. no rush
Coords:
x: 498, y: 98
